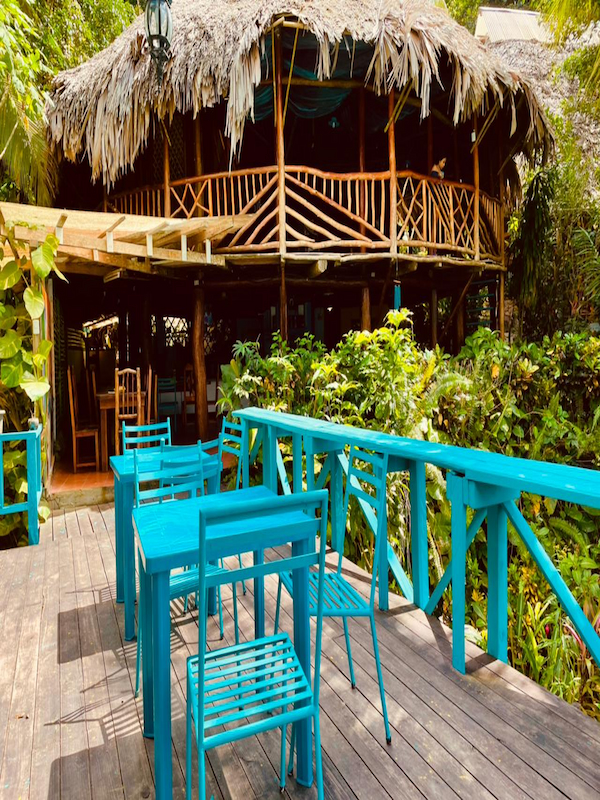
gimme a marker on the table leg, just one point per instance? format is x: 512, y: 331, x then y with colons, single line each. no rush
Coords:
x: 145, y: 612
x: 259, y: 598
x: 128, y: 560
x: 104, y: 432
x: 302, y: 647
x: 161, y: 664
x: 119, y: 537
x: 212, y: 487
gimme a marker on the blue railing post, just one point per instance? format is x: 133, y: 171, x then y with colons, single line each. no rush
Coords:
x: 418, y: 531
x: 32, y: 441
x: 497, y: 606
x: 456, y: 495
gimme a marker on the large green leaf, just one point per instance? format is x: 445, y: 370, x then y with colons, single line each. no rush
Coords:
x: 7, y: 317
x: 10, y: 344
x: 34, y: 302
x: 10, y: 275
x: 43, y: 351
x: 35, y: 388
x: 11, y: 371
x: 42, y: 259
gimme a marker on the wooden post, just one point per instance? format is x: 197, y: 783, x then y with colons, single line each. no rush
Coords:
x: 361, y: 159
x: 198, y: 158
x: 433, y: 309
x: 393, y: 177
x: 459, y: 323
x: 279, y: 142
x: 104, y: 199
x: 476, y: 184
x: 199, y: 362
x: 283, y: 308
x: 166, y: 174
x: 365, y: 309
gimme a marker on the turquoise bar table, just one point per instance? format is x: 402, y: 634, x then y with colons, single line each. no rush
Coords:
x: 487, y: 484
x: 168, y: 536
x: 122, y: 467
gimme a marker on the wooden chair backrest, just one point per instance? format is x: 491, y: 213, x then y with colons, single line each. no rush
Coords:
x: 189, y: 385
x: 128, y: 395
x: 92, y: 388
x: 149, y: 395
x: 72, y: 397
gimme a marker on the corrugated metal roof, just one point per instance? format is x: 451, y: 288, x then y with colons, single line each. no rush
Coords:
x: 508, y: 24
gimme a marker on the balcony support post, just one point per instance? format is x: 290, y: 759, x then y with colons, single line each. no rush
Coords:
x: 476, y: 184
x: 280, y: 145
x: 283, y: 306
x: 198, y: 159
x: 201, y: 400
x: 365, y: 309
x: 361, y: 159
x: 433, y: 313
x: 166, y: 174
x: 393, y: 175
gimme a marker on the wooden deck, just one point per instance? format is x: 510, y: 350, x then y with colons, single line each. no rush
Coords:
x: 70, y: 726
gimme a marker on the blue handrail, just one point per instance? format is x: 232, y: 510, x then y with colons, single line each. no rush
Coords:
x: 33, y: 455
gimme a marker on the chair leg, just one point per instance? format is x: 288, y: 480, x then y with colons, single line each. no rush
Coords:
x: 188, y: 741
x: 292, y: 750
x: 235, y: 615
x: 318, y: 758
x: 201, y: 772
x: 241, y: 565
x: 282, y: 759
x: 220, y: 612
x: 349, y: 651
x: 97, y: 451
x: 74, y: 454
x: 277, y: 607
x: 138, y: 652
x: 388, y: 734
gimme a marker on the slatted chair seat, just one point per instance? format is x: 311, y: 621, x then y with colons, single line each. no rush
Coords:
x: 339, y: 597
x: 249, y: 681
x: 183, y: 583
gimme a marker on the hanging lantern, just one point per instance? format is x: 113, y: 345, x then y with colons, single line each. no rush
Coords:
x: 159, y: 30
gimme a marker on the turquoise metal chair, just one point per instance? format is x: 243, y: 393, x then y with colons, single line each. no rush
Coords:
x: 167, y: 408
x: 341, y: 598
x: 259, y: 685
x: 174, y: 477
x: 146, y: 436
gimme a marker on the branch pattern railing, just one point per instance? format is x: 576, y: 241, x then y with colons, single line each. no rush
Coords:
x: 325, y: 210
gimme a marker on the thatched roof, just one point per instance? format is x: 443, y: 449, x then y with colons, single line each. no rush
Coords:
x: 105, y: 107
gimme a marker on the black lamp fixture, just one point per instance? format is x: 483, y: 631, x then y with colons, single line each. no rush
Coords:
x: 159, y: 30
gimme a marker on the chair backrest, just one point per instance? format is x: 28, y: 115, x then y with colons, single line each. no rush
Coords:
x: 72, y: 397
x: 128, y: 395
x: 94, y: 393
x: 162, y: 477
x: 189, y: 385
x: 147, y: 436
x: 367, y: 481
x: 273, y: 521
x: 231, y: 441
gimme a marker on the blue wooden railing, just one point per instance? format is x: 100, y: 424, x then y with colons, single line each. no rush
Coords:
x: 33, y: 461
x: 488, y: 484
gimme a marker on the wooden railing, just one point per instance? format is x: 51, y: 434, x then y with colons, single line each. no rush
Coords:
x: 326, y: 211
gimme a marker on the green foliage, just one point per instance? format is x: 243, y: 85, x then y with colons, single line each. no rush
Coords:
x: 23, y: 360
x: 532, y: 400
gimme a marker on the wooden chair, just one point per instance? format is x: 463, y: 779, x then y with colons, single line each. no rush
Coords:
x: 89, y: 432
x: 128, y: 401
x: 189, y: 392
x: 92, y: 398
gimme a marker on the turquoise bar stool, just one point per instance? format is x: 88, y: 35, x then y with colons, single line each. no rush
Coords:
x: 260, y: 685
x: 341, y: 598
x: 173, y: 480
x: 146, y: 436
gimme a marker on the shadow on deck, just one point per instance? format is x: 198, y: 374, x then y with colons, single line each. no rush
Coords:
x: 70, y: 726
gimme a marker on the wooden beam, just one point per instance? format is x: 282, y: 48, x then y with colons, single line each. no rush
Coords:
x: 279, y: 143
x: 476, y: 184
x: 198, y: 154
x: 365, y: 309
x: 393, y: 177
x: 199, y: 361
x: 166, y: 173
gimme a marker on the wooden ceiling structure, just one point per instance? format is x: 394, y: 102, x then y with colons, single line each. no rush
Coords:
x: 106, y: 244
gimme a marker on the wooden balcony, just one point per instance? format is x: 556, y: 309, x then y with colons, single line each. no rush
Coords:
x: 355, y: 215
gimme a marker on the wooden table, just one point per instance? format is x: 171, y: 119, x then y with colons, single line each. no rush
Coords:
x: 106, y: 402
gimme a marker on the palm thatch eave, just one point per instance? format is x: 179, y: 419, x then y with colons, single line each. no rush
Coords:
x: 104, y: 109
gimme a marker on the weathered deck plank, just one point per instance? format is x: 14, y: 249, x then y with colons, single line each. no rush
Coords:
x: 71, y: 727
